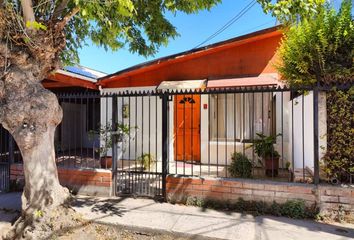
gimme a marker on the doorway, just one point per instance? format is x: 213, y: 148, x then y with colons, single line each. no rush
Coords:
x: 187, y: 128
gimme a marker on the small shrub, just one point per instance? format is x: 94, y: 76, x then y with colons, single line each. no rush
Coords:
x: 240, y: 166
x: 147, y: 161
x: 294, y: 209
x: 291, y: 208
x: 275, y: 209
x: 195, y: 201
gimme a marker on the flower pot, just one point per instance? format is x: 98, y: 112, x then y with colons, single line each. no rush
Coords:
x: 106, y: 162
x: 271, y: 166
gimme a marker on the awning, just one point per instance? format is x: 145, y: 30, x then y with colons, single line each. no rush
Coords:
x: 185, y: 84
x: 243, y: 82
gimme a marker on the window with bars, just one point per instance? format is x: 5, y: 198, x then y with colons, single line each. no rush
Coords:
x: 239, y: 116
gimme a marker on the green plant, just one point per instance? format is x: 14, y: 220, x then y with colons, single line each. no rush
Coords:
x: 294, y: 209
x: 146, y: 160
x: 38, y: 213
x: 320, y: 48
x: 290, y: 11
x: 107, y: 134
x: 195, y: 201
x: 337, y: 162
x: 291, y: 208
x: 287, y: 165
x: 240, y: 166
x: 264, y: 146
x: 275, y: 209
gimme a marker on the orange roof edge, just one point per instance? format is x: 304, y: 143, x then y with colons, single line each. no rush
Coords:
x: 70, y: 81
x: 157, y: 63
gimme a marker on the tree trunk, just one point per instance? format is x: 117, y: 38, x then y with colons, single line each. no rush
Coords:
x: 31, y: 113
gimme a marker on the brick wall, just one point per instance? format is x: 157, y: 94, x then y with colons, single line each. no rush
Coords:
x: 326, y: 197
x: 95, y: 181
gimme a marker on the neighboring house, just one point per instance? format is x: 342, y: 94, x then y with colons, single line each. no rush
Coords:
x: 78, y: 115
x: 69, y: 80
x: 219, y: 120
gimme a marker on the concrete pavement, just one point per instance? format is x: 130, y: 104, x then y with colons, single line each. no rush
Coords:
x: 148, y: 214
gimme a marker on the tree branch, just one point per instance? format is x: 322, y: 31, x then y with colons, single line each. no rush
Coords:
x: 59, y: 10
x: 27, y: 9
x: 67, y: 18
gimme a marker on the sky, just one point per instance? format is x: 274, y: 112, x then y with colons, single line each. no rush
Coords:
x: 193, y: 29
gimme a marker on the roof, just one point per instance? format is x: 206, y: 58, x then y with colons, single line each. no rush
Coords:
x: 146, y: 66
x: 74, y: 76
x: 84, y: 71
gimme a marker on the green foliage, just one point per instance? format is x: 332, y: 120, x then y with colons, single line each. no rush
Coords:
x: 339, y: 158
x: 106, y: 134
x: 36, y: 25
x: 38, y: 214
x: 240, y: 166
x: 290, y: 11
x: 264, y: 146
x: 142, y: 26
x: 147, y: 161
x: 319, y: 48
x: 291, y: 208
x: 195, y: 201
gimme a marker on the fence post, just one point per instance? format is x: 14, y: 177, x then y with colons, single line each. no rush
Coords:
x: 164, y: 141
x: 114, y: 144
x: 315, y: 136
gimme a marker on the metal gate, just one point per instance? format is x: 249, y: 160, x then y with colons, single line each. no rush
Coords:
x: 4, y: 160
x: 138, y: 154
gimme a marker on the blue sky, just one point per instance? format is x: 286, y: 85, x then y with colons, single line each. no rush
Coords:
x: 193, y: 29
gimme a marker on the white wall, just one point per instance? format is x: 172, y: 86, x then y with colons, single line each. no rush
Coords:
x: 144, y: 122
x: 216, y: 152
x: 282, y: 127
x: 141, y: 140
x: 303, y: 141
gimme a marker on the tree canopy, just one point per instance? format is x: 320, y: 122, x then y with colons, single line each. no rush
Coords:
x: 320, y: 48
x: 139, y: 24
x: 290, y: 11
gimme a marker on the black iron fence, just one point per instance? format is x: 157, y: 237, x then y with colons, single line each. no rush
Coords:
x: 252, y: 132
x: 4, y: 161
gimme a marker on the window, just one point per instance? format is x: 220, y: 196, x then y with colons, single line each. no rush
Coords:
x: 239, y: 116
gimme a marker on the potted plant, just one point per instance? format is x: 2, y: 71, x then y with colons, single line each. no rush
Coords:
x: 107, y: 136
x: 264, y: 148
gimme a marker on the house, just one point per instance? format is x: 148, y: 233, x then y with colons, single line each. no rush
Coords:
x: 170, y: 127
x: 220, y: 123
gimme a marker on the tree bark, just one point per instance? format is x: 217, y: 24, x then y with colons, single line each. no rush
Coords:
x: 28, y: 14
x: 31, y: 113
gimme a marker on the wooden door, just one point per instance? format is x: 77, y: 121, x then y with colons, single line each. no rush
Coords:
x: 187, y: 128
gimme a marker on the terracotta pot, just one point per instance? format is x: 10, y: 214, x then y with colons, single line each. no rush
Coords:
x: 271, y: 166
x: 106, y: 162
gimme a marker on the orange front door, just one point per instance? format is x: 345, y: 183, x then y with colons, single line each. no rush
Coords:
x: 187, y: 128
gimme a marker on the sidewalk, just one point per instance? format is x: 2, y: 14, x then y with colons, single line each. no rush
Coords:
x: 148, y: 214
